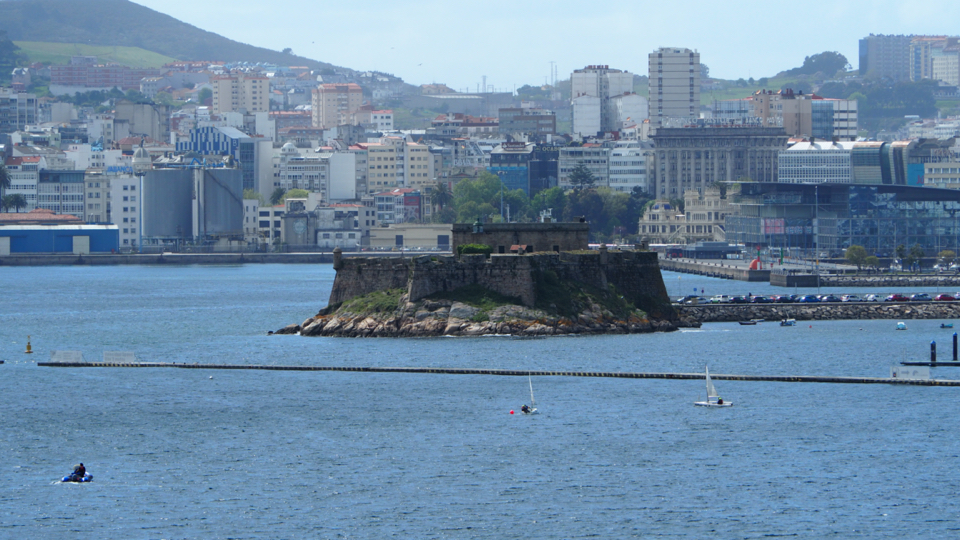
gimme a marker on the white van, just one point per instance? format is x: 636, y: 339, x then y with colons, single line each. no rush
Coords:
x: 721, y: 299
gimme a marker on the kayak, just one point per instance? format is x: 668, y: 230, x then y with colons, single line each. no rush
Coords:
x: 74, y: 478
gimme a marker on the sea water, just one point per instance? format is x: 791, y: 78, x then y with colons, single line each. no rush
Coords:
x: 273, y: 454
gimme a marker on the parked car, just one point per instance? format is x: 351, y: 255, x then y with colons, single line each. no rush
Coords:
x: 720, y: 299
x: 871, y: 298
x: 684, y: 299
x: 830, y: 298
x: 809, y: 299
x: 896, y: 297
x: 851, y: 298
x: 920, y: 297
x: 762, y: 300
x: 738, y: 299
x: 786, y: 298
x: 944, y: 297
x: 696, y: 300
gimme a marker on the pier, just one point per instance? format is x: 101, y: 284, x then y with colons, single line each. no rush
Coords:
x: 520, y: 373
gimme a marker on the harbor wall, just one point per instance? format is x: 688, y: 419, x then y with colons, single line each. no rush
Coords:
x: 824, y: 312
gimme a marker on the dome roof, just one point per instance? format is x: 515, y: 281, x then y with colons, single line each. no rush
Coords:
x: 141, y: 153
x: 288, y: 148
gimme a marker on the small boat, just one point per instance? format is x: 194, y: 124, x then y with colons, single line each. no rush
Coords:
x: 78, y: 479
x: 757, y: 320
x: 946, y: 325
x: 748, y: 323
x: 532, y: 409
x: 901, y: 326
x: 788, y: 322
x: 713, y: 399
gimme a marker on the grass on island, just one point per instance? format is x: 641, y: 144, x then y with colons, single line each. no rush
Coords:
x: 477, y: 296
x: 60, y: 53
x: 376, y: 302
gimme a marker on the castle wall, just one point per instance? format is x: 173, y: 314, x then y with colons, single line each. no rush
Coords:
x: 636, y: 276
x: 357, y: 276
x: 536, y: 236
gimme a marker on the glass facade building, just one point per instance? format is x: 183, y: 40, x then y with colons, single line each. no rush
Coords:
x: 826, y: 219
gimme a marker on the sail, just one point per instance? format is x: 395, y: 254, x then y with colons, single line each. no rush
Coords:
x: 711, y: 390
x: 532, y: 402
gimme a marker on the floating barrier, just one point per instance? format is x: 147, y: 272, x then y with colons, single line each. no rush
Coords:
x: 521, y: 373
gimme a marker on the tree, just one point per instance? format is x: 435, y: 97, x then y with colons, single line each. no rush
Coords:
x: 17, y: 200
x: 873, y: 262
x: 287, y: 50
x: 204, y: 94
x: 828, y: 63
x: 916, y: 253
x: 6, y: 203
x: 276, y: 196
x: 254, y: 194
x: 857, y: 255
x: 581, y: 177
x: 4, y: 179
x: 294, y: 194
x: 441, y: 196
x: 947, y: 256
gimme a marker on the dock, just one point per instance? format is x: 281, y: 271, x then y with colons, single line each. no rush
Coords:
x: 518, y: 373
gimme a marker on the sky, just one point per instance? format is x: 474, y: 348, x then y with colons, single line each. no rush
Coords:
x: 513, y: 43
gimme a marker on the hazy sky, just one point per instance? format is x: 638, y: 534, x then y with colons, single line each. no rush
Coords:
x: 513, y: 43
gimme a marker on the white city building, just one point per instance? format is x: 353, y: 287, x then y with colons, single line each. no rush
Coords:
x: 816, y: 163
x: 628, y: 166
x: 603, y: 84
x: 594, y: 157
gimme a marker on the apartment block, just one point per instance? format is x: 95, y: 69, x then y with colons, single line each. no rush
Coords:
x: 592, y: 88
x: 240, y: 92
x: 594, y: 157
x: 674, y: 82
x: 333, y: 104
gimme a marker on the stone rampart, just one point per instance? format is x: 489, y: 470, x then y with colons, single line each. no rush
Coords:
x: 636, y: 276
x: 357, y: 276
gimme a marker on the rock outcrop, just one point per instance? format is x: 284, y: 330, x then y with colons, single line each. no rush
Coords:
x: 452, y: 318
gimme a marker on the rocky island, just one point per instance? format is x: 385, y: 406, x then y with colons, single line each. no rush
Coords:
x: 524, y: 294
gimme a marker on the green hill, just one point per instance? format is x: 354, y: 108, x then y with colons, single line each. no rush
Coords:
x: 122, y: 23
x: 60, y: 53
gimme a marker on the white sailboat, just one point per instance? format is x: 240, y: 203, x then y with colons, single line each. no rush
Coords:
x: 532, y: 409
x: 713, y: 398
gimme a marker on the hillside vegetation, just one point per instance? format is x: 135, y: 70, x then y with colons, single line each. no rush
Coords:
x: 125, y: 24
x: 60, y: 53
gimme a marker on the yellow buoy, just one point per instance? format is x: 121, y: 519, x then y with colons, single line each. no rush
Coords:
x: 29, y: 350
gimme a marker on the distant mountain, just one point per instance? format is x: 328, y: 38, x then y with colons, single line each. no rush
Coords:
x: 123, y: 23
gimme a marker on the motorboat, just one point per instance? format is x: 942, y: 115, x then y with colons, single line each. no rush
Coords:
x: 901, y: 325
x: 788, y: 322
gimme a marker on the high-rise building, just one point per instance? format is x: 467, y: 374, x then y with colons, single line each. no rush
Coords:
x: 591, y: 90
x: 17, y: 110
x: 805, y: 115
x: 885, y: 57
x: 334, y: 103
x: 240, y: 91
x: 674, y: 82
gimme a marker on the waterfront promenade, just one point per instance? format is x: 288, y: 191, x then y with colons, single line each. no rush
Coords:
x: 108, y: 259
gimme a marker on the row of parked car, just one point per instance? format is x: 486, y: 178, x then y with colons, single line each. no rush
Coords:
x: 813, y: 298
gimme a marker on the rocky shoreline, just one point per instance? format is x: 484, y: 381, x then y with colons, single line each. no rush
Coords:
x: 431, y: 318
x: 821, y: 312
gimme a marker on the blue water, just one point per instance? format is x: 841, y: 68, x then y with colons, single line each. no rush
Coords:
x: 257, y: 454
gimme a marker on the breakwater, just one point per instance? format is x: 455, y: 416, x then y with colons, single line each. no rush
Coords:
x: 717, y: 269
x: 894, y: 281
x: 521, y: 373
x: 821, y: 312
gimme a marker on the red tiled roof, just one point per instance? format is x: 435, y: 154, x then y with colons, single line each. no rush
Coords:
x: 39, y: 215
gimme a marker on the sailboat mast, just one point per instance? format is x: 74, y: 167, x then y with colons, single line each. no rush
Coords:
x: 530, y: 380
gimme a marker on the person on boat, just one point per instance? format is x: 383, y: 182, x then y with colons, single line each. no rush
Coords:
x: 78, y: 472
x: 719, y: 401
x: 524, y: 409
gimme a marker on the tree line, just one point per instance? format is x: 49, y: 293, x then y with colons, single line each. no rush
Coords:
x: 612, y: 215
